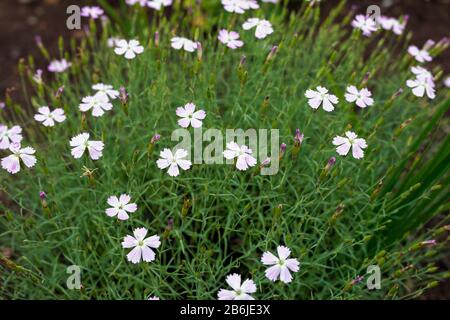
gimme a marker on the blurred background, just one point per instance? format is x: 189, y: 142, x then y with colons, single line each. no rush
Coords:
x: 22, y: 20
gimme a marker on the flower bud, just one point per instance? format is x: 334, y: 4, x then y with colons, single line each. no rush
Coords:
x: 156, y: 39
x: 282, y: 150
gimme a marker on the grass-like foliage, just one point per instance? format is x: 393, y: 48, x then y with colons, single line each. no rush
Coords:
x: 337, y: 220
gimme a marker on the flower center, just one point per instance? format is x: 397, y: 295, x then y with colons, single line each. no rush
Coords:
x: 281, y: 262
x: 239, y: 292
x: 140, y: 243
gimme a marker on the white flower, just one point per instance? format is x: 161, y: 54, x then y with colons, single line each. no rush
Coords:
x: 93, y: 12
x: 173, y: 161
x: 106, y: 89
x: 153, y: 298
x: 321, y: 97
x: 129, y: 49
x: 120, y: 207
x: 362, y: 97
x: 242, y: 153
x: 447, y: 82
x: 366, y: 24
x: 231, y: 39
x: 12, y: 163
x: 186, y: 44
x: 142, y: 3
x: 79, y: 144
x: 189, y: 116
x: 48, y: 117
x: 350, y: 141
x: 98, y: 103
x: 280, y: 265
x: 142, y: 246
x: 393, y: 24
x: 240, y: 291
x: 421, y: 85
x: 420, y: 55
x: 239, y: 6
x: 157, y: 4
x: 8, y: 136
x: 422, y: 72
x: 112, y: 42
x: 59, y: 65
x: 263, y: 27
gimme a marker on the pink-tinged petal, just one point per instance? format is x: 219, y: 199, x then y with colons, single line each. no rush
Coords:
x: 361, y: 143
x: 132, y: 207
x: 350, y: 97
x: 4, y: 143
x: 315, y: 103
x: 352, y: 90
x: 283, y: 252
x: 327, y: 105
x: 244, y: 297
x: 184, y: 164
x: 273, y: 272
x: 166, y: 154
x: 113, y: 201
x: 77, y: 152
x: 248, y: 286
x: 111, y: 212
x: 120, y: 50
x: 338, y: 140
x: 28, y: 160
x: 11, y: 164
x: 241, y: 163
x: 124, y: 199
x: 343, y: 149
x: 49, y: 122
x: 234, y: 281
x: 122, y: 215
x: 228, y: 154
x: 190, y: 108
x: 200, y: 114
x: 311, y: 94
x: 419, y: 91
x: 129, y: 242
x: 181, y: 112
x: 138, y: 49
x: 129, y: 54
x: 44, y: 110
x: 135, y: 255
x: 177, y: 43
x: 226, y: 294
x: 351, y: 135
x: 184, y: 122
x: 140, y: 233
x: 251, y: 161
x: 97, y: 111
x: 285, y: 275
x: 163, y: 163
x: 40, y: 117
x: 196, y: 123
x: 233, y: 146
x: 357, y: 152
x: 293, y: 265
x: 147, y: 254
x: 269, y: 258
x: 153, y: 241
x: 173, y: 170
x: 180, y: 154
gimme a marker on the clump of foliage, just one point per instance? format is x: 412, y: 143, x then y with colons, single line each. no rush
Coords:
x: 214, y: 220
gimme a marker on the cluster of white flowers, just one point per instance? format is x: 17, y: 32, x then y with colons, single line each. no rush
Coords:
x: 424, y: 81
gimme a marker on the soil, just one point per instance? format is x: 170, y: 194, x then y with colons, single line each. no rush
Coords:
x: 22, y: 20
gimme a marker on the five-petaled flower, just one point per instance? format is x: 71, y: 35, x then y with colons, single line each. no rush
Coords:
x: 362, y: 97
x: 81, y: 142
x: 239, y: 6
x: 120, y: 207
x: 420, y: 55
x: 281, y: 265
x: 99, y: 103
x: 189, y: 116
x: 350, y: 141
x: 48, y: 118
x: 173, y: 161
x: 366, y: 24
x: 180, y: 42
x: 11, y: 163
x: 321, y: 97
x: 263, y: 27
x: 128, y: 48
x: 240, y: 291
x: 106, y: 89
x: 94, y: 12
x: 421, y: 85
x: 230, y: 39
x: 243, y: 154
x: 58, y: 66
x: 141, y: 246
x: 8, y: 136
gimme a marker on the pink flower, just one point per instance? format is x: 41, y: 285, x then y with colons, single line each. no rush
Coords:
x: 48, y: 118
x: 419, y: 55
x: 93, y: 12
x: 263, y: 27
x: 366, y: 24
x: 243, y: 154
x: 350, y: 141
x: 81, y: 142
x: 240, y: 291
x: 189, y: 116
x: 120, y: 207
x: 141, y: 246
x: 362, y: 97
x: 281, y: 265
x: 12, y: 163
x: 58, y: 66
x: 321, y: 97
x: 8, y: 136
x: 173, y: 161
x: 230, y: 38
